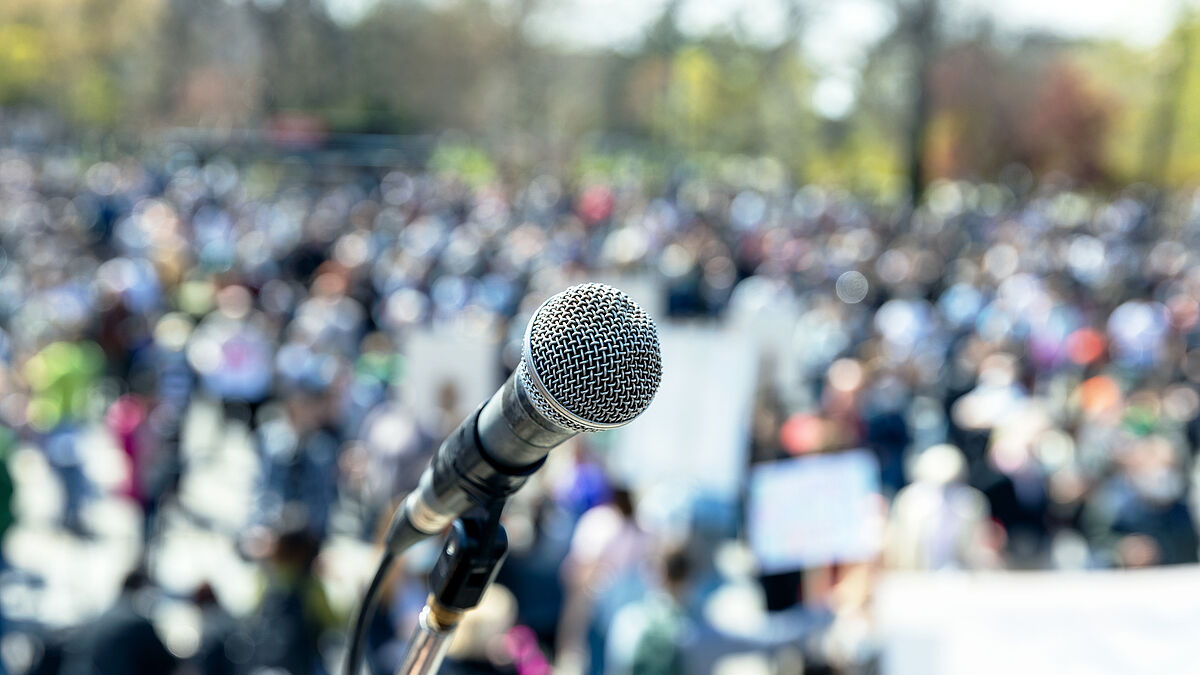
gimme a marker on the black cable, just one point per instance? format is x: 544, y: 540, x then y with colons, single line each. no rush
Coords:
x: 366, y: 610
x: 401, y: 536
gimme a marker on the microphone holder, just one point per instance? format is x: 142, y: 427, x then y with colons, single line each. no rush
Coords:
x: 475, y: 547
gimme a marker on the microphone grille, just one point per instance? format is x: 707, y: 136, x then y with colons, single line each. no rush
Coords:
x: 591, y: 358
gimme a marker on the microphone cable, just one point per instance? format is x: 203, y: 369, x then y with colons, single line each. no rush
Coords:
x: 401, y: 537
x: 366, y: 610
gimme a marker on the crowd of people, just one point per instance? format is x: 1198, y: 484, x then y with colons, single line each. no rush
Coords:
x: 1022, y: 360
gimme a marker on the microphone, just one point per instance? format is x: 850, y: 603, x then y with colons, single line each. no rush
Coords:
x: 590, y: 361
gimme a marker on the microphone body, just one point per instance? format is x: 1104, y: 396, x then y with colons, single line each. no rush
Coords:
x: 590, y: 361
x: 488, y: 457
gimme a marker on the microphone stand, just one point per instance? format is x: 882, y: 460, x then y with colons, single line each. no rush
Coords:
x: 474, y: 549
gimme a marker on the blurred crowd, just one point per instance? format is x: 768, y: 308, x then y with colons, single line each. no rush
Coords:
x: 1022, y: 359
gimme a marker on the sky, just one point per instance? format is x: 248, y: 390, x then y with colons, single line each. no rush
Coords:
x: 616, y: 23
x: 621, y: 23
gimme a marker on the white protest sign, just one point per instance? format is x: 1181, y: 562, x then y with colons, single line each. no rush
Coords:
x: 445, y: 359
x: 696, y: 432
x: 815, y: 510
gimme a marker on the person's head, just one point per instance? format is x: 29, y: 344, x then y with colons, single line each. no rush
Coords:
x: 205, y: 596
x: 329, y: 285
x: 622, y: 500
x: 676, y: 570
x: 296, y: 549
x: 307, y: 407
x: 135, y: 581
x: 1152, y: 466
x: 940, y: 464
x: 234, y: 301
x: 448, y: 396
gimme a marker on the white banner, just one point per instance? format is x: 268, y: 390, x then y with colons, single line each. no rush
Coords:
x: 1060, y: 623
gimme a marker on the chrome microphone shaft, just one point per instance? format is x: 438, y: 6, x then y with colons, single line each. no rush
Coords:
x: 428, y: 646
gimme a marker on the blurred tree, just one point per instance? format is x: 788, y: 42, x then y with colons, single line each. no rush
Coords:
x: 1041, y: 110
x: 24, y: 62
x: 919, y: 23
x: 1149, y: 138
x: 929, y: 101
x: 978, y: 103
x: 214, y: 76
x: 1173, y: 152
x: 427, y: 66
x: 787, y: 119
x: 305, y: 57
x: 82, y: 58
x: 722, y: 92
x: 1122, y: 70
x: 1067, y: 123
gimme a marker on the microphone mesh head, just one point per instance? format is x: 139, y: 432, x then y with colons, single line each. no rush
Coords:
x: 591, y: 358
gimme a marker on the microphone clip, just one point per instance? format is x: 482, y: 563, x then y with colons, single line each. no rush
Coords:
x: 474, y: 549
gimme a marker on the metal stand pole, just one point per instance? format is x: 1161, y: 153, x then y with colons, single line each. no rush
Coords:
x: 472, y: 554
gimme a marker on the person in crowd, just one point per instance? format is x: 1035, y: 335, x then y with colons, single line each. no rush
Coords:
x: 61, y: 376
x: 601, y: 573
x: 1138, y: 517
x: 1035, y: 329
x: 294, y: 614
x: 299, y: 454
x: 538, y: 543
x: 224, y: 644
x: 659, y: 649
x: 938, y: 521
x: 232, y: 354
x: 122, y: 641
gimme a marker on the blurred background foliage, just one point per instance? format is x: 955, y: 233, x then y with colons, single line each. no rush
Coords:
x: 971, y: 98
